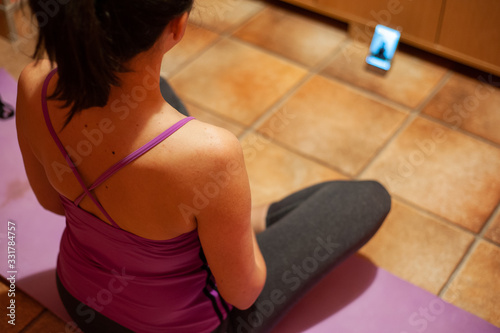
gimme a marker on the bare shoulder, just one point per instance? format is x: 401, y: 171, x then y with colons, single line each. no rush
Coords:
x: 34, y: 72
x: 209, y: 148
x: 214, y: 143
x: 29, y: 85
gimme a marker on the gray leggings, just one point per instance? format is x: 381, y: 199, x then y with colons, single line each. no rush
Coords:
x: 309, y: 233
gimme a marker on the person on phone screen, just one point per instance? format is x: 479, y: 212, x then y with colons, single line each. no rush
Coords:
x: 381, y: 52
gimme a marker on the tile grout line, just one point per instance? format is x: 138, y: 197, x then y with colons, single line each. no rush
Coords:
x: 310, y: 158
x: 235, y: 27
x: 449, y: 223
x: 268, y: 52
x: 316, y: 70
x: 275, y: 106
x: 193, y: 58
x: 268, y: 5
x: 229, y: 35
x: 404, y: 125
x: 413, y: 114
x: 468, y: 253
x: 321, y: 65
x: 458, y: 269
x: 232, y: 27
x: 34, y: 320
x: 461, y: 131
x: 446, y: 124
x: 206, y: 109
x: 439, y: 86
x: 310, y: 73
x: 221, y: 35
x: 489, y: 222
x: 478, y: 238
x: 385, y: 100
x: 432, y: 215
x: 368, y: 94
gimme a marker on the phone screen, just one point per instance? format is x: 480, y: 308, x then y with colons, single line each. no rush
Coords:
x: 383, y: 46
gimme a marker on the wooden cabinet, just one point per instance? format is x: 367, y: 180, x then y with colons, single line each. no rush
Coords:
x: 467, y: 31
x: 471, y: 31
x: 404, y: 15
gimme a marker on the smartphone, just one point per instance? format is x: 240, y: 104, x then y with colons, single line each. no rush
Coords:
x: 382, y: 48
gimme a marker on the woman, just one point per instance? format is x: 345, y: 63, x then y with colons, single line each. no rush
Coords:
x: 160, y: 234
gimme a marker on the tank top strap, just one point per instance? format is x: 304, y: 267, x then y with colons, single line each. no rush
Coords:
x: 113, y: 169
x: 65, y: 154
x: 136, y: 154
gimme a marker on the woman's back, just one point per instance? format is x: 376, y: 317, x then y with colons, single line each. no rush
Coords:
x: 146, y: 196
x: 154, y: 269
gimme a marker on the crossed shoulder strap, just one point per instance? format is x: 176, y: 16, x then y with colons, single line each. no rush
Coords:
x: 113, y: 169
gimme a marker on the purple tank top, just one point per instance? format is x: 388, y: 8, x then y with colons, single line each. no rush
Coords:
x: 145, y: 285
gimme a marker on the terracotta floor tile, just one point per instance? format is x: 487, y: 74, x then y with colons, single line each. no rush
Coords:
x: 275, y: 172
x: 14, y: 56
x: 335, y: 124
x: 292, y: 35
x: 3, y: 287
x: 493, y: 231
x: 221, y: 15
x: 409, y: 81
x: 195, y: 40
x: 12, y: 59
x: 210, y: 118
x: 443, y: 171
x: 236, y: 80
x: 469, y: 103
x: 49, y: 323
x: 27, y: 32
x: 476, y: 288
x: 417, y: 248
x: 27, y: 309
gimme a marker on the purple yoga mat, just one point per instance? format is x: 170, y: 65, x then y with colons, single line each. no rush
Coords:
x: 360, y: 297
x: 356, y: 297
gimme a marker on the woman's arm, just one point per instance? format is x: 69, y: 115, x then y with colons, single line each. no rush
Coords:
x: 224, y: 226
x: 46, y: 195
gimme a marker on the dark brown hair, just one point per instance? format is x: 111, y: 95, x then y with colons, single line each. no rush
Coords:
x: 90, y: 40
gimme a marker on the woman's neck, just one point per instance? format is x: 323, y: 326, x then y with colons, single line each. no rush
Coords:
x: 141, y: 84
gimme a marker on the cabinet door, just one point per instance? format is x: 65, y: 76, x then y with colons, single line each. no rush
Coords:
x: 471, y: 29
x: 417, y: 19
